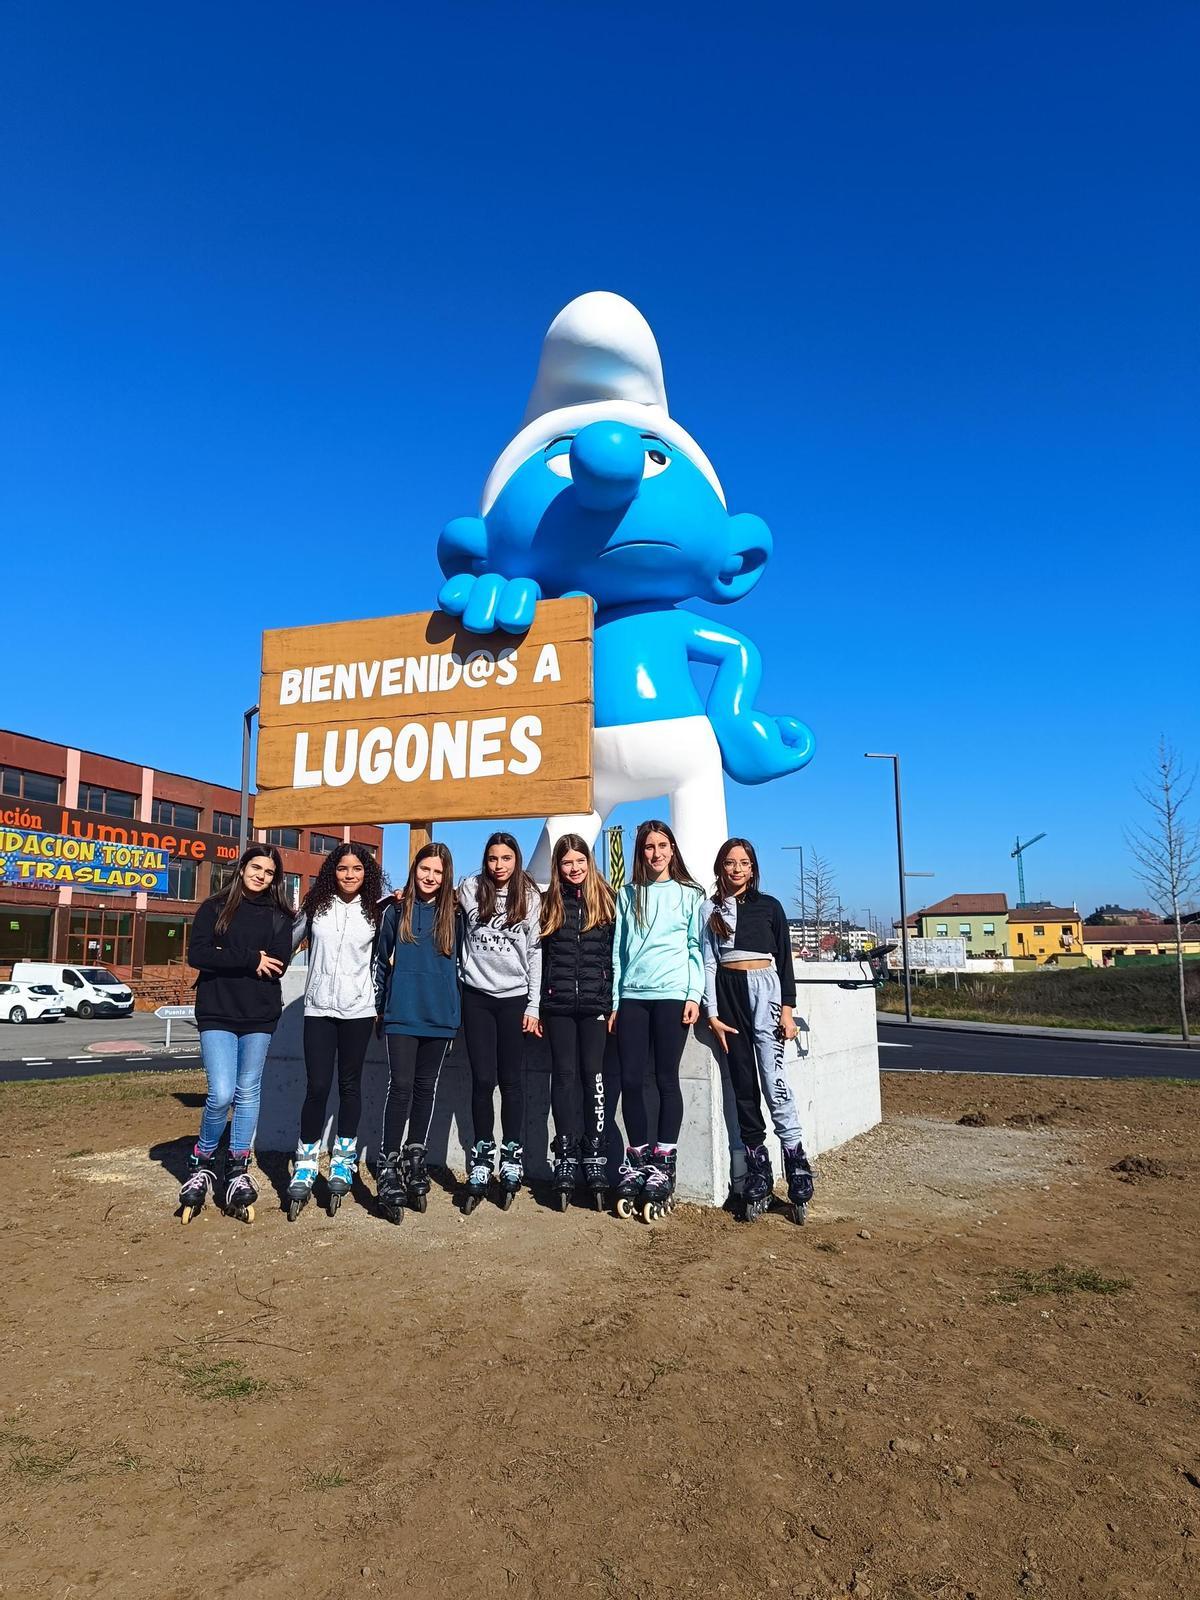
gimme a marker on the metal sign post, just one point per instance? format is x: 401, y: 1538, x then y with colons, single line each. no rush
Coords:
x: 171, y: 1014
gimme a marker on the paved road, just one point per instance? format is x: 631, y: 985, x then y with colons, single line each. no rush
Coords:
x: 73, y: 1048
x: 917, y: 1049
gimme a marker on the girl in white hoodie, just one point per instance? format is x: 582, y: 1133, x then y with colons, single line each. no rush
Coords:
x: 340, y: 917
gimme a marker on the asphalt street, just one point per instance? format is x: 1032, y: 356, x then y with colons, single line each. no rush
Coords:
x: 919, y: 1049
x: 73, y: 1048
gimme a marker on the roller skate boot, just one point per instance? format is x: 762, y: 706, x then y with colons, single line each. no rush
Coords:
x: 479, y: 1172
x: 390, y: 1188
x: 304, y: 1175
x: 566, y: 1171
x: 240, y: 1192
x: 595, y: 1172
x: 658, y: 1192
x: 343, y: 1159
x: 512, y: 1172
x: 199, y: 1185
x: 416, y: 1176
x: 631, y: 1178
x: 800, y: 1182
x: 759, y: 1183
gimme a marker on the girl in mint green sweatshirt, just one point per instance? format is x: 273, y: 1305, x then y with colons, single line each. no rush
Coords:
x: 658, y: 981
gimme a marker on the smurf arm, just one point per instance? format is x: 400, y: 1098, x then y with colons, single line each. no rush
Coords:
x: 754, y: 748
x: 484, y: 600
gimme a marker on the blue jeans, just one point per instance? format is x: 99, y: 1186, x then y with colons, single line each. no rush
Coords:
x: 235, y: 1067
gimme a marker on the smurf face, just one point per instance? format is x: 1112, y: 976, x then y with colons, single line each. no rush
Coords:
x: 621, y: 514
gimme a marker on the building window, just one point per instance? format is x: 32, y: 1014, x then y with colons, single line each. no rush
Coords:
x: 1020, y: 938
x: 181, y: 877
x: 24, y: 934
x: 322, y: 844
x: 291, y: 887
x: 100, y: 938
x: 222, y: 877
x: 112, y: 802
x: 1039, y: 930
x: 166, y: 941
x: 989, y: 927
x: 225, y: 823
x: 964, y: 930
x: 942, y: 930
x: 18, y: 784
x: 1066, y: 927
x: 287, y: 838
x: 174, y: 815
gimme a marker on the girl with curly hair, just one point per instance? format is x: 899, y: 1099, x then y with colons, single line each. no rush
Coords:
x: 340, y: 918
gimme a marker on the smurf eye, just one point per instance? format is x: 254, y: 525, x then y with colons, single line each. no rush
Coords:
x: 656, y: 461
x: 560, y: 466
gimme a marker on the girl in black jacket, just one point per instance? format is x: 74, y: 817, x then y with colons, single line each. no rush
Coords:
x: 241, y: 941
x: 578, y: 917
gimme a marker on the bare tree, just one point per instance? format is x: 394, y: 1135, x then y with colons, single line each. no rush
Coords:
x: 1167, y: 849
x: 818, y: 891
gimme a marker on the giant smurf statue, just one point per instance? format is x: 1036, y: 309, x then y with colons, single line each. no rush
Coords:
x: 602, y: 493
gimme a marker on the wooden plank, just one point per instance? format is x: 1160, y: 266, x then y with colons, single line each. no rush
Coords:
x: 419, y: 835
x: 391, y: 662
x: 429, y: 766
x: 478, y: 698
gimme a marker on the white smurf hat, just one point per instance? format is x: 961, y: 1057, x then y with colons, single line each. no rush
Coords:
x: 599, y: 363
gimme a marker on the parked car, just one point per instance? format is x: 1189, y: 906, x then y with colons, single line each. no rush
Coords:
x: 87, y: 991
x: 30, y: 1002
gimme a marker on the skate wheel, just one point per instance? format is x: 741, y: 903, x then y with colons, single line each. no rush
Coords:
x: 562, y: 1200
x: 598, y: 1199
x: 419, y: 1202
x: 469, y: 1203
x: 186, y: 1215
x: 624, y: 1208
x: 335, y: 1201
x: 506, y: 1199
x: 799, y: 1213
x: 650, y: 1212
x: 295, y: 1207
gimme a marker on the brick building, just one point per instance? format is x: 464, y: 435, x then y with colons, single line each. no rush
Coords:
x: 53, y: 788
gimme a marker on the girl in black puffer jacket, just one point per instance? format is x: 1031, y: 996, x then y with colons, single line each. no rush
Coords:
x: 578, y: 917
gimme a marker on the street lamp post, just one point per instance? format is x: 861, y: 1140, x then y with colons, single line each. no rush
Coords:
x: 895, y: 760
x: 244, y: 815
x: 803, y: 912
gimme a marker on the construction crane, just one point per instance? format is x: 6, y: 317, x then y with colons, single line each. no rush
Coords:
x: 1017, y: 854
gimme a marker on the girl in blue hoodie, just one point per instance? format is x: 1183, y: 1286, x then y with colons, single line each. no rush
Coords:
x: 658, y: 981
x: 417, y: 1002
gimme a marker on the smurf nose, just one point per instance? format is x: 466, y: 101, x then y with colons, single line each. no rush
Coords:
x: 606, y: 465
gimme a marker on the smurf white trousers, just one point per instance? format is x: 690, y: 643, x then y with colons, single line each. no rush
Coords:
x: 678, y: 758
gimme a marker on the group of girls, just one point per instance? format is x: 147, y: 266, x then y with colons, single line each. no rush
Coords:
x: 501, y: 960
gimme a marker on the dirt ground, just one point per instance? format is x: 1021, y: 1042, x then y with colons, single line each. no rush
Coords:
x: 901, y: 1399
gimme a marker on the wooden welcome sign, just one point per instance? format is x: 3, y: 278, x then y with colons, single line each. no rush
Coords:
x: 412, y: 719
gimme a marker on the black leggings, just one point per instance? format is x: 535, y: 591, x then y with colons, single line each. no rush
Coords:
x: 324, y: 1039
x: 651, y: 1029
x: 496, y: 1048
x: 416, y: 1065
x: 577, y: 1047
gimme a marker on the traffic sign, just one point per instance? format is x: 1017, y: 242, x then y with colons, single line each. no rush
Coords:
x: 176, y: 1012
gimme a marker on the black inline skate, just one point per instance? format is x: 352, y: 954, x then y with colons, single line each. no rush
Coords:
x: 390, y: 1189
x: 595, y: 1172
x: 512, y: 1172
x: 658, y: 1191
x: 800, y: 1182
x: 479, y: 1172
x: 200, y: 1184
x: 240, y: 1192
x: 416, y: 1176
x: 566, y: 1171
x: 759, y: 1183
x: 631, y: 1179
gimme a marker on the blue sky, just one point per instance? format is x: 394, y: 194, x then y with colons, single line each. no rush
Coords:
x: 273, y: 281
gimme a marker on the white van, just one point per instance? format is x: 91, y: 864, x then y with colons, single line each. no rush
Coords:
x: 87, y: 991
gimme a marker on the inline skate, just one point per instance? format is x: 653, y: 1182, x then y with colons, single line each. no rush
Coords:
x: 566, y: 1171
x: 479, y: 1172
x: 595, y: 1172
x: 304, y: 1175
x: 631, y: 1178
x: 512, y: 1172
x: 658, y: 1191
x: 343, y: 1159
x: 416, y: 1176
x: 390, y: 1188
x: 800, y: 1181
x: 199, y: 1185
x: 240, y: 1192
x: 759, y: 1183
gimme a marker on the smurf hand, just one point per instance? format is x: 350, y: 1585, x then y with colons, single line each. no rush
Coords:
x: 490, y: 601
x: 757, y: 748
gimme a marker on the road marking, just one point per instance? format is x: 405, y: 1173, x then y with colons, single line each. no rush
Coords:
x: 893, y: 1044
x: 35, y: 1061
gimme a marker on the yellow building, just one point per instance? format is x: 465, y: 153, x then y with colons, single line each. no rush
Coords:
x: 1046, y: 936
x: 1107, y: 941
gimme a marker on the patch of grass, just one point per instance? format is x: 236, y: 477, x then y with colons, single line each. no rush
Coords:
x: 126, y: 1460
x: 1058, y: 1279
x: 326, y: 1480
x: 41, y: 1465
x: 829, y: 1246
x: 1141, y: 998
x: 214, y: 1380
x: 73, y: 1155
x: 1056, y: 1436
x: 1177, y: 1083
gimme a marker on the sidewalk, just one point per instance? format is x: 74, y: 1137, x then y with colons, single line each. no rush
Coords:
x: 1022, y: 1031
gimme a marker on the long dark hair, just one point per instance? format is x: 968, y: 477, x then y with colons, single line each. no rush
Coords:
x: 325, y: 887
x: 521, y: 886
x: 676, y: 869
x: 598, y: 905
x: 445, y: 905
x: 717, y: 925
x: 231, y: 898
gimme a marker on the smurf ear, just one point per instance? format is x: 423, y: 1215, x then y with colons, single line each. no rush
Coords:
x: 749, y: 550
